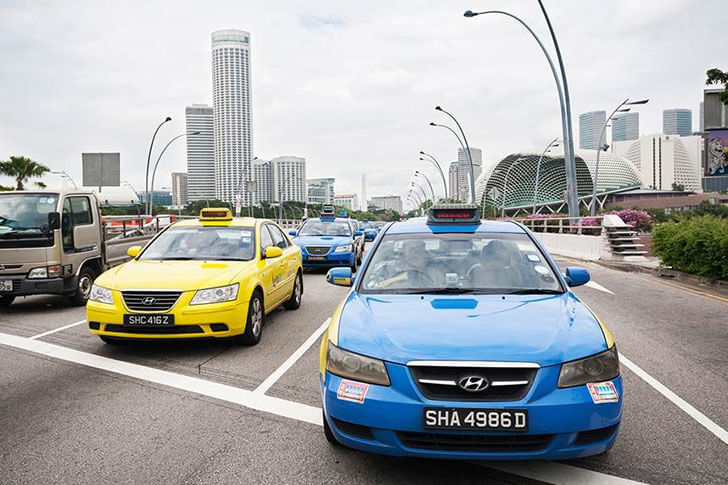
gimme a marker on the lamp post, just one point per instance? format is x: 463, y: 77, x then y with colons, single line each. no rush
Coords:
x: 553, y: 143
x: 65, y: 174
x: 434, y: 161
x: 417, y: 172
x: 505, y: 185
x: 467, y: 150
x: 564, y: 105
x: 424, y: 193
x: 618, y: 109
x: 150, y: 199
x: 149, y: 157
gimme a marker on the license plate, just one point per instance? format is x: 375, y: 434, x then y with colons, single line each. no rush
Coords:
x: 317, y: 258
x: 6, y: 285
x: 155, y: 320
x: 480, y: 419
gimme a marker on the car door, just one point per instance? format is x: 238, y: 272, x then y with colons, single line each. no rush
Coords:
x: 282, y: 279
x: 267, y: 268
x: 289, y: 260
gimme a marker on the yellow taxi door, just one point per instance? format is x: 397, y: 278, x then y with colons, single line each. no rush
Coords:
x: 267, y: 268
x: 289, y: 260
x: 280, y: 273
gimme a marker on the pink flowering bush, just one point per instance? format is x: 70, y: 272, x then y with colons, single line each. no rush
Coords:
x: 639, y: 219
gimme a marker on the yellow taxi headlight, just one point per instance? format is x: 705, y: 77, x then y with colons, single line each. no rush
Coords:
x: 101, y: 294
x: 215, y: 295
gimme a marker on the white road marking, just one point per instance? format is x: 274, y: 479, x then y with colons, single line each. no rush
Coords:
x: 56, y: 330
x: 597, y: 286
x: 273, y: 378
x: 249, y: 399
x: 557, y: 473
x: 701, y: 418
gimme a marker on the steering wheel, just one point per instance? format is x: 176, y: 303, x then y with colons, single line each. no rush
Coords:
x: 469, y: 274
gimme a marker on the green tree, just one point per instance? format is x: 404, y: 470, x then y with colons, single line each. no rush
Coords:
x: 21, y: 169
x: 716, y: 76
x: 676, y: 187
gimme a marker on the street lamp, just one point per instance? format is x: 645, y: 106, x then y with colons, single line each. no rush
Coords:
x: 417, y: 172
x: 553, y: 143
x: 65, y: 174
x: 505, y: 185
x: 149, y: 157
x: 618, y: 109
x: 150, y: 199
x: 572, y: 198
x: 433, y: 160
x: 424, y: 194
x: 467, y: 149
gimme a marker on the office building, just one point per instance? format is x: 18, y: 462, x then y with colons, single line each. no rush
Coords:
x: 625, y: 126
x: 320, y: 191
x: 701, y: 121
x: 179, y: 188
x: 200, y: 152
x: 263, y: 176
x: 460, y: 173
x: 289, y: 179
x: 678, y: 121
x: 347, y: 201
x: 590, y: 128
x: 391, y: 202
x: 452, y: 180
x: 363, y: 192
x: 232, y: 114
x: 715, y: 119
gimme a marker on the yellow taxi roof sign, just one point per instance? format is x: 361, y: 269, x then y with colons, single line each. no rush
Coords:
x: 216, y: 214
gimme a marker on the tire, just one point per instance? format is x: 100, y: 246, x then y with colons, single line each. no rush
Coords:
x: 6, y: 301
x: 85, y: 280
x: 294, y: 302
x: 328, y: 433
x: 254, y: 321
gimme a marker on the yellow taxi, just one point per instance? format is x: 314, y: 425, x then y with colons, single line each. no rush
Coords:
x: 215, y: 276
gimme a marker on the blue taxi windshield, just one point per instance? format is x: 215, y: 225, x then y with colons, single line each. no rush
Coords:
x: 325, y: 228
x: 202, y: 243
x: 487, y: 263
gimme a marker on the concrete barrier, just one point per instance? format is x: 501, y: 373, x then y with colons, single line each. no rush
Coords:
x: 590, y: 248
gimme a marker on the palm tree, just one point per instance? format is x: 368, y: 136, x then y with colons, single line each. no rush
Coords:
x: 22, y: 168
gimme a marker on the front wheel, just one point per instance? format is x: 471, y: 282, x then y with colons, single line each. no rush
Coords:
x: 83, y: 287
x: 329, y: 434
x: 254, y: 322
x: 6, y: 301
x: 294, y: 302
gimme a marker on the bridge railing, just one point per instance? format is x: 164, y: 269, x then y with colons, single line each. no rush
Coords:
x: 588, y: 226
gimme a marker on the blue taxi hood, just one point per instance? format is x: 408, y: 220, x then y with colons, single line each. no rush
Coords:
x: 321, y: 240
x: 547, y: 329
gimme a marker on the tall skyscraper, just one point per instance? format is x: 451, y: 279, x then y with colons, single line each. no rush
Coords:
x: 678, y: 121
x: 701, y: 121
x: 232, y: 114
x: 179, y: 188
x: 625, y: 126
x: 463, y: 171
x: 363, y: 192
x: 289, y: 179
x: 263, y: 176
x: 590, y: 127
x: 200, y: 153
x: 452, y: 180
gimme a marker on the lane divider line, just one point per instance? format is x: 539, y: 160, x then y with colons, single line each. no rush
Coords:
x: 224, y: 392
x: 597, y: 286
x: 278, y: 373
x: 704, y: 294
x: 59, y: 329
x: 557, y: 473
x: 701, y: 418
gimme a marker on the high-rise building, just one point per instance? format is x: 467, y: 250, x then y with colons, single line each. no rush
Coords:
x: 363, y: 192
x: 200, y: 152
x: 452, y: 180
x: 463, y: 171
x: 289, y: 179
x: 263, y: 176
x: 391, y: 202
x: 626, y: 126
x: 347, y: 201
x: 320, y: 191
x: 678, y: 121
x: 232, y: 114
x: 590, y: 128
x: 179, y: 188
x: 702, y: 117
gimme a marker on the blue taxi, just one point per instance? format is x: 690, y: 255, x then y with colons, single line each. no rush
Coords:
x: 460, y: 339
x: 328, y: 241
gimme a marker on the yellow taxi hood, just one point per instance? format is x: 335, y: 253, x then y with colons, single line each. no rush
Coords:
x: 178, y: 275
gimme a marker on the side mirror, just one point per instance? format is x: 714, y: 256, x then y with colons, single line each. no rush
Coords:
x: 339, y: 276
x: 133, y: 251
x: 576, y: 276
x: 292, y: 232
x: 273, y: 252
x: 357, y: 233
x: 54, y: 220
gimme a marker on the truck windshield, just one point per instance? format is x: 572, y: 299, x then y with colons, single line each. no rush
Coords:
x: 491, y: 263
x: 203, y: 244
x: 325, y: 228
x: 23, y: 215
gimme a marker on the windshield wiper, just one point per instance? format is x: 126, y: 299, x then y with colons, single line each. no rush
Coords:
x: 438, y: 291
x: 534, y: 291
x: 176, y: 258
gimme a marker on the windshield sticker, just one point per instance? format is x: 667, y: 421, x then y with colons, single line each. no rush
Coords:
x: 541, y: 269
x: 602, y: 392
x: 352, y: 391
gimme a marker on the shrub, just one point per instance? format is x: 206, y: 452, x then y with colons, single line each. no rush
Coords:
x: 639, y: 219
x: 698, y: 245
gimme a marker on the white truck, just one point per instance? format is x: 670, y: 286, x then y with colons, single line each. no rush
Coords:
x: 57, y: 242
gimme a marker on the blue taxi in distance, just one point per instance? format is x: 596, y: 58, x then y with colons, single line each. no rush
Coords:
x: 328, y: 241
x: 460, y: 339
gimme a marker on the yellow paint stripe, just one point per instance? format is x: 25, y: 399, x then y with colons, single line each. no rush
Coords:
x: 691, y: 290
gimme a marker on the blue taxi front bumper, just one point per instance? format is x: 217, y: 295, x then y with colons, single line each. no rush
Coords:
x: 562, y: 423
x: 333, y: 259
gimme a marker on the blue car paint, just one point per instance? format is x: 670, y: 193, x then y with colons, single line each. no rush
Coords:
x: 546, y: 329
x: 345, y: 258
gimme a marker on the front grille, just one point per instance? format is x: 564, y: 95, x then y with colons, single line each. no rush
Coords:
x: 150, y: 301
x: 352, y: 429
x: 469, y: 442
x: 594, y: 435
x: 177, y: 329
x: 318, y: 250
x: 504, y: 383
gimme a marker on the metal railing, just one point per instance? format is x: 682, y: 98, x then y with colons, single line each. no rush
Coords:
x: 565, y: 225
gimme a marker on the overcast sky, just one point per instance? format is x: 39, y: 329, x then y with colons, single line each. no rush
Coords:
x: 349, y: 85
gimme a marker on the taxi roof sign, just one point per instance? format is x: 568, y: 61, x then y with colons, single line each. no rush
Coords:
x: 453, y: 214
x: 217, y: 214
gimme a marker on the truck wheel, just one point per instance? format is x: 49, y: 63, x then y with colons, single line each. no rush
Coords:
x: 6, y: 301
x: 85, y: 281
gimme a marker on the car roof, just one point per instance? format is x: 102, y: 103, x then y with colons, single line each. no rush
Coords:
x: 236, y: 222
x: 329, y: 219
x: 419, y: 224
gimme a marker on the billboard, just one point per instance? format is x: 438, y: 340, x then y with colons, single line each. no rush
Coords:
x: 716, y: 153
x: 101, y: 169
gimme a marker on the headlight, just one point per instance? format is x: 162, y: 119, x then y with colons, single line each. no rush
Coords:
x: 101, y: 294
x: 355, y: 366
x: 597, y: 368
x: 38, y: 273
x: 343, y: 249
x: 215, y: 295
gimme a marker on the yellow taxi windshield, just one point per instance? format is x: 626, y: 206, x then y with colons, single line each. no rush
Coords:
x: 202, y: 243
